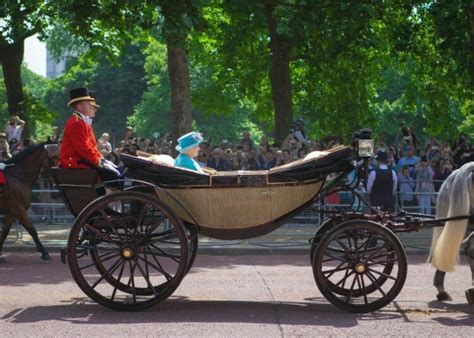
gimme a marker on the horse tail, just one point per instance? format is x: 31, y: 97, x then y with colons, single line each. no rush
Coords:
x: 442, y: 206
x: 445, y: 251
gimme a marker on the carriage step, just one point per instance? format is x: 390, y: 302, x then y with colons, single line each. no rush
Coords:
x: 64, y: 256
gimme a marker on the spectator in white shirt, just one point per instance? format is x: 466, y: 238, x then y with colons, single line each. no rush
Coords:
x: 14, y: 130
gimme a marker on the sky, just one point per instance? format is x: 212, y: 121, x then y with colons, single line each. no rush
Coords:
x: 35, y: 55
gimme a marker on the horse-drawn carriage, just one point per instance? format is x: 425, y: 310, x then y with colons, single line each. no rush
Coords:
x: 130, y: 249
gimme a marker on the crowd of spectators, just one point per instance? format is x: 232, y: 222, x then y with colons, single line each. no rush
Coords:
x: 421, y: 167
x: 245, y: 154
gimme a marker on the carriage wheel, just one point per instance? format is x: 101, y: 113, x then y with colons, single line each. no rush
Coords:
x: 322, y: 230
x: 360, y: 266
x: 328, y: 225
x: 192, y: 234
x: 190, y: 229
x: 128, y: 251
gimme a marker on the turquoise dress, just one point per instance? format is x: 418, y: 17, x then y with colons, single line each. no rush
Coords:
x: 184, y: 161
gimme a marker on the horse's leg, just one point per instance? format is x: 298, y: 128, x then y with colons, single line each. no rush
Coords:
x: 26, y: 222
x: 438, y: 282
x: 7, y: 224
x: 468, y: 245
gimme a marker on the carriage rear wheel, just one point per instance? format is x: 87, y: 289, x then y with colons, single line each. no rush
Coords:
x: 360, y: 266
x: 192, y: 235
x: 190, y: 229
x: 128, y: 251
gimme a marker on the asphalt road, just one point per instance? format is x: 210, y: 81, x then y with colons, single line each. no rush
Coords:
x: 222, y: 296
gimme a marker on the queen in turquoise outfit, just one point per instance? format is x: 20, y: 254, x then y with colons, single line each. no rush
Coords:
x: 188, y: 146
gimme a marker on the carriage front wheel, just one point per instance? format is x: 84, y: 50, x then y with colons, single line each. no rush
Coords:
x: 128, y: 251
x: 359, y: 266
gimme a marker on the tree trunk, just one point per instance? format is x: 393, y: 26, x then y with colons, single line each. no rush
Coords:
x: 178, y: 72
x: 175, y: 32
x: 11, y: 57
x: 280, y: 76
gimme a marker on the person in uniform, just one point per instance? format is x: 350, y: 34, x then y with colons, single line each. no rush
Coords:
x: 188, y: 147
x: 79, y: 146
x: 382, y: 184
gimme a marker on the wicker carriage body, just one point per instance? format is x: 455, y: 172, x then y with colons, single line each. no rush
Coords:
x: 240, y: 204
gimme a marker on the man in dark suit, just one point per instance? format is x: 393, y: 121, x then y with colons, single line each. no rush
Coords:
x: 382, y: 184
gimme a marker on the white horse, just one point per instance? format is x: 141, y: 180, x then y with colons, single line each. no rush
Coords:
x: 455, y: 198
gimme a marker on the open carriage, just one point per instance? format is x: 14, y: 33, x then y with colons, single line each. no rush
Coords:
x: 131, y: 249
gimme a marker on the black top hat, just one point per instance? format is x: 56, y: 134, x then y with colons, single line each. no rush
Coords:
x: 81, y: 94
x: 381, y: 156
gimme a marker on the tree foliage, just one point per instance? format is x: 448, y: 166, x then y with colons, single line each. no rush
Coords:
x: 350, y: 64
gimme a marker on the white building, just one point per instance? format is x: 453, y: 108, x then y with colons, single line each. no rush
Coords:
x: 54, y: 68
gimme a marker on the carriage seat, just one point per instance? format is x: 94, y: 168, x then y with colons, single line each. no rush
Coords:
x: 315, y: 166
x: 78, y: 186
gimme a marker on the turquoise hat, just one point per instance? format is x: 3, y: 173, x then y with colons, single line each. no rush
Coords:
x: 188, y: 141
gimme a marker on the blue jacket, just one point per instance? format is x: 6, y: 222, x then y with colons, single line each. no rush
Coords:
x: 184, y: 161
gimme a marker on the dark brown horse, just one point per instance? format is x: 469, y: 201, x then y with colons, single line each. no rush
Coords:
x: 22, y: 172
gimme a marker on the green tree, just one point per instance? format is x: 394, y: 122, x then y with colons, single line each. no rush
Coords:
x: 19, y: 19
x: 119, y: 86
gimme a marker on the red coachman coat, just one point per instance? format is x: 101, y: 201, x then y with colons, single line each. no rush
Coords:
x: 78, y: 143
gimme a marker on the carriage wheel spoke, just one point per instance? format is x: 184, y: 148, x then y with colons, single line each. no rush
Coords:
x: 382, y: 274
x: 132, y: 278
x: 343, y: 246
x: 105, y: 238
x: 382, y: 255
x: 377, y: 251
x: 366, y: 243
x: 343, y: 279
x: 349, y: 239
x: 87, y: 247
x: 162, y: 237
x: 117, y: 282
x: 336, y: 269
x: 362, y: 286
x: 101, y: 260
x: 374, y: 281
x: 333, y: 258
x: 141, y: 213
x: 347, y: 273
x: 349, y: 296
x: 158, y: 267
x: 111, y: 270
x: 146, y: 263
x: 384, y: 262
x: 112, y: 226
x: 165, y: 254
x: 147, y: 278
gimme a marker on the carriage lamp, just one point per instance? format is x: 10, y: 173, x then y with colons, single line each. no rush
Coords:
x: 363, y: 143
x: 365, y: 148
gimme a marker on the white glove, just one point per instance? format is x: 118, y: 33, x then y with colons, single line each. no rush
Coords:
x: 2, y: 166
x: 110, y: 166
x: 110, y: 163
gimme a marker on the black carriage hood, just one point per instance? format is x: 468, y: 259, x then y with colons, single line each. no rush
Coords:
x: 309, y: 169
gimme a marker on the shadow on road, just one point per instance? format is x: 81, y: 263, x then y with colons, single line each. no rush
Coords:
x: 467, y: 309
x: 176, y: 309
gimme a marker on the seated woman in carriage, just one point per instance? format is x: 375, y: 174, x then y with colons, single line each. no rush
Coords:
x: 188, y: 146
